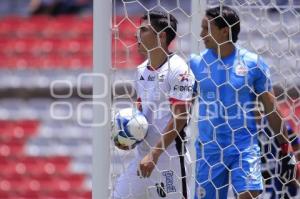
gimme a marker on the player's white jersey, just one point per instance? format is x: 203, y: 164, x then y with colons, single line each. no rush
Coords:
x: 156, y: 89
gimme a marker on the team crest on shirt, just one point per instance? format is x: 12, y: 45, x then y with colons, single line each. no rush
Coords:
x: 241, y: 70
x: 184, y: 76
x: 161, y: 78
x: 151, y: 78
x: 201, y: 193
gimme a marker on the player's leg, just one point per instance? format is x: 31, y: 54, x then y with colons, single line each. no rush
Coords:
x: 214, y: 186
x: 169, y: 179
x: 211, y: 177
x: 129, y: 185
x: 246, y: 174
x: 166, y: 181
x: 212, y: 181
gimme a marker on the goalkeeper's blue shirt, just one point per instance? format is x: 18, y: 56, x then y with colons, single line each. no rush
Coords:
x: 227, y: 89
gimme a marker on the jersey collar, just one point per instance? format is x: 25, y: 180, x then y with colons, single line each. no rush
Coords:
x: 150, y: 68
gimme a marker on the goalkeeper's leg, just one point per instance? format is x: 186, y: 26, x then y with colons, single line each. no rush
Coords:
x: 211, y: 179
x: 246, y: 174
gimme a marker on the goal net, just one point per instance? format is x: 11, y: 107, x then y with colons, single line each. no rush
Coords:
x: 270, y: 29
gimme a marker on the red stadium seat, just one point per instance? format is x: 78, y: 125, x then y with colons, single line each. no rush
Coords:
x: 69, y: 46
x: 12, y: 148
x: 86, y: 46
x: 6, y: 29
x: 18, y: 129
x: 5, y: 45
x: 75, y: 180
x: 52, y: 184
x: 5, y: 195
x: 45, y: 182
x: 34, y: 166
x: 27, y: 194
x: 44, y: 62
x: 25, y: 128
x: 61, y: 163
x: 82, y: 27
x: 7, y: 166
x: 27, y: 29
x: 14, y: 183
x: 40, y: 47
x: 53, y: 29
x: 65, y: 183
x: 82, y: 195
x: 76, y: 62
x: 8, y: 26
x: 44, y: 42
x: 56, y: 195
x: 29, y: 126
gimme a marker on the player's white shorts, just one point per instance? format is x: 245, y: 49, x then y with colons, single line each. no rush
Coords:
x: 168, y: 180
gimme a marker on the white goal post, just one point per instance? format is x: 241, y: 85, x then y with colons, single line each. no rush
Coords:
x: 101, y: 68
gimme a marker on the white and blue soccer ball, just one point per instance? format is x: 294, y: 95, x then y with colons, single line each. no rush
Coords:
x: 129, y: 127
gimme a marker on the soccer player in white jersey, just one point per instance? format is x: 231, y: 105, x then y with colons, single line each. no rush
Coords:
x: 164, y: 86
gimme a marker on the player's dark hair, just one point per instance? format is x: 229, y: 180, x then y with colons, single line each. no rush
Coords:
x: 225, y: 17
x: 162, y: 21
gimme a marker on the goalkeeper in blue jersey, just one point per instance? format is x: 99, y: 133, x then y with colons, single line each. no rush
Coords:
x: 231, y: 83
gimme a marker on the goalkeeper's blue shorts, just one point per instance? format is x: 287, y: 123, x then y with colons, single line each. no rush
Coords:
x: 216, y: 170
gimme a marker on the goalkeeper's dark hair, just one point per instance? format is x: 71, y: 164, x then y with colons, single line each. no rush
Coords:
x: 162, y: 21
x: 225, y: 16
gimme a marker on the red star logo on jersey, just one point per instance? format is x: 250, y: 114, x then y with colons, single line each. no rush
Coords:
x: 184, y: 77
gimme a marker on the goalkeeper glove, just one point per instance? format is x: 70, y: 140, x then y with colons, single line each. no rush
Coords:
x: 287, y: 167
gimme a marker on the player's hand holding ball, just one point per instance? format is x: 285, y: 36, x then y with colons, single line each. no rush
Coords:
x: 129, y: 128
x: 120, y: 146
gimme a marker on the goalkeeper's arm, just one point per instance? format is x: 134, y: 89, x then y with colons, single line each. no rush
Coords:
x: 288, y: 164
x: 274, y: 117
x: 295, y: 142
x: 289, y: 167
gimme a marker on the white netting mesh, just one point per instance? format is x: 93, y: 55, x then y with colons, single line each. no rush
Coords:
x: 270, y: 29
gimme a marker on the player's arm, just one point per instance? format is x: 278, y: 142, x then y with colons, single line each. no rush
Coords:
x: 180, y: 111
x: 287, y: 161
x: 294, y: 140
x: 262, y: 87
x: 273, y: 115
x: 283, y: 135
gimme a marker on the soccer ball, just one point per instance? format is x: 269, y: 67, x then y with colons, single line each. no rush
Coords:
x: 129, y: 127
